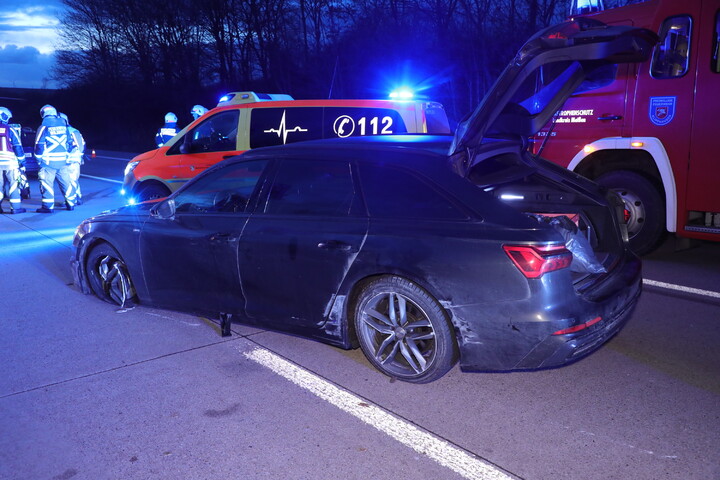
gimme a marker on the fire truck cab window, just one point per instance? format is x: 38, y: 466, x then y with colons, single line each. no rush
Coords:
x: 671, y: 55
x: 715, y: 65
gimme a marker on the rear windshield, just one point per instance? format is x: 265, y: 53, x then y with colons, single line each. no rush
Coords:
x: 437, y: 121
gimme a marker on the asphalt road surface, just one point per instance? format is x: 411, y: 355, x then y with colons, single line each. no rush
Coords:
x: 91, y: 392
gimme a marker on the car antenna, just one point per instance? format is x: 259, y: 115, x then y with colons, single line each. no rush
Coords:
x: 549, y: 132
x: 332, y: 82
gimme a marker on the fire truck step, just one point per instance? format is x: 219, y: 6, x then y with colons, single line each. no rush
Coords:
x: 697, y: 228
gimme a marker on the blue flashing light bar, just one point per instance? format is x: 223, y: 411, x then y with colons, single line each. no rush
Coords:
x: 403, y: 93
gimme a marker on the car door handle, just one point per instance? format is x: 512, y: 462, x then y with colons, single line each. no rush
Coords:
x: 610, y: 117
x: 335, y: 245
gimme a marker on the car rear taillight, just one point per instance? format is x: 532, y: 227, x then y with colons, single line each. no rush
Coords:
x: 577, y: 328
x: 536, y: 260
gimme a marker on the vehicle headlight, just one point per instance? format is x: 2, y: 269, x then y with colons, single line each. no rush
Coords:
x: 80, y: 232
x: 130, y: 167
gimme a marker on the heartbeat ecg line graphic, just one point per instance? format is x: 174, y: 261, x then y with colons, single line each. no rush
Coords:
x: 282, y: 131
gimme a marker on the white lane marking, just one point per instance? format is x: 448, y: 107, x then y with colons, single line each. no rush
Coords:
x: 680, y: 288
x: 410, y: 435
x: 101, y: 178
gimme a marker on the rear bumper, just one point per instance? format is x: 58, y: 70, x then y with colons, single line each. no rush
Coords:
x: 520, y: 336
x: 557, y: 350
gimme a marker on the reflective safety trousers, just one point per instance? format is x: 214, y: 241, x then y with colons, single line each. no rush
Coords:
x: 9, y: 185
x: 47, y: 176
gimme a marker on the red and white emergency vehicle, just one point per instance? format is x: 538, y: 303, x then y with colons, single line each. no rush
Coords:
x: 245, y: 120
x: 647, y: 130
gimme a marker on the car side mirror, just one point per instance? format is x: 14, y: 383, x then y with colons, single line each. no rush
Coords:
x: 164, y: 209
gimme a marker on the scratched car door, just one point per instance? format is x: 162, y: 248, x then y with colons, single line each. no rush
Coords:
x: 297, y: 248
x: 190, y: 258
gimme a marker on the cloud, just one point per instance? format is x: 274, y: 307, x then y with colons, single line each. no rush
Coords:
x: 20, y: 55
x: 28, y: 35
x: 25, y: 67
x: 29, y: 25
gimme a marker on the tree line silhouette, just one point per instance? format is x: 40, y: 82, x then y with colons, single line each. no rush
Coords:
x: 125, y: 63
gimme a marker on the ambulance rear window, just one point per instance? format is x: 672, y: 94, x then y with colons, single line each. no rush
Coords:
x: 437, y: 121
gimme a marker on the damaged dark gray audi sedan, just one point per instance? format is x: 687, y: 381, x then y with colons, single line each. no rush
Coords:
x: 420, y: 250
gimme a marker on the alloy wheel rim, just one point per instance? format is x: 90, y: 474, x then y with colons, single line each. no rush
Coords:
x: 114, y: 279
x: 399, y: 334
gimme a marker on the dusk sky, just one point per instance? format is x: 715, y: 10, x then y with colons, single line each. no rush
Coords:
x: 28, y: 38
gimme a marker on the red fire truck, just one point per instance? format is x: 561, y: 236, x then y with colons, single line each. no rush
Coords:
x: 647, y: 130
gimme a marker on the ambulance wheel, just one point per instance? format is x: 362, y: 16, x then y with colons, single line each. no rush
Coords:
x: 644, y: 208
x: 152, y: 192
x: 109, y: 277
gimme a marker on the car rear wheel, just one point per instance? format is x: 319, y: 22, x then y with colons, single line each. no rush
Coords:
x: 403, y: 331
x: 109, y: 277
x: 644, y: 208
x: 151, y: 192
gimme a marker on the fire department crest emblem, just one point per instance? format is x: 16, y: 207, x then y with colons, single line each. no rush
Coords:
x: 662, y: 110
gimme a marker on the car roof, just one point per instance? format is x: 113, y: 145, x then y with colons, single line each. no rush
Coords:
x: 418, y: 153
x: 364, y: 148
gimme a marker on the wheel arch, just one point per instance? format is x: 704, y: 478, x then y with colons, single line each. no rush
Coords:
x: 356, y: 287
x: 648, y: 158
x: 151, y: 181
x: 97, y: 240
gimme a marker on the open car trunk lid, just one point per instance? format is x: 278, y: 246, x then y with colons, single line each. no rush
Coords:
x: 541, y: 77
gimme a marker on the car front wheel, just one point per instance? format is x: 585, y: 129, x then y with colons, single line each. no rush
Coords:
x: 403, y: 331
x: 109, y: 277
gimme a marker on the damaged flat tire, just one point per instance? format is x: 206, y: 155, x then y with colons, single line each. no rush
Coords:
x: 108, y: 276
x: 403, y: 331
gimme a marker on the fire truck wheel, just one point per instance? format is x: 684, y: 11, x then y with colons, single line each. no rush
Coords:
x: 152, y: 191
x: 644, y: 208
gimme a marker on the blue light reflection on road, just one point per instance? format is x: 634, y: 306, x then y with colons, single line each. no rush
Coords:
x: 33, y: 241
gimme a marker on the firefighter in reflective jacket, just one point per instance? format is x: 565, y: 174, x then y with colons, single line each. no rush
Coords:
x: 198, y: 111
x: 12, y: 156
x: 75, y: 159
x: 167, y: 131
x: 53, y: 146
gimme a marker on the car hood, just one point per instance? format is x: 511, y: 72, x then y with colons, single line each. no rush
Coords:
x: 541, y: 77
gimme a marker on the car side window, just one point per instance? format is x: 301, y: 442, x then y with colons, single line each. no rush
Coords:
x: 394, y: 193
x: 225, y: 190
x: 715, y: 54
x: 671, y: 55
x: 305, y: 187
x: 216, y: 134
